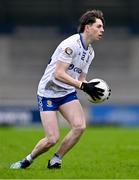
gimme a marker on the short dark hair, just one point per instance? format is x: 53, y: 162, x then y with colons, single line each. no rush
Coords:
x: 89, y: 18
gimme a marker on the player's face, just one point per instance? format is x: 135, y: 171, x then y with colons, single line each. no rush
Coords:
x: 96, y: 30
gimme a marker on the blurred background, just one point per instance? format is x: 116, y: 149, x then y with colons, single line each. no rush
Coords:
x: 30, y: 30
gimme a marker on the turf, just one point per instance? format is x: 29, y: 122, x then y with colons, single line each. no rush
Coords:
x: 102, y: 153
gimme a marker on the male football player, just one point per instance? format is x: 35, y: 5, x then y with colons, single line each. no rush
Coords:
x: 66, y: 72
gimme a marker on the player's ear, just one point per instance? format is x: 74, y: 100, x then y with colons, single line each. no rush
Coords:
x: 87, y: 26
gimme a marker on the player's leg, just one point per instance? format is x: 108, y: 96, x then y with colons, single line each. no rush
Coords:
x: 73, y: 112
x: 50, y: 125
x: 49, y: 121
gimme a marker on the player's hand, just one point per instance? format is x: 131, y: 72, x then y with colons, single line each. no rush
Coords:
x: 91, y: 89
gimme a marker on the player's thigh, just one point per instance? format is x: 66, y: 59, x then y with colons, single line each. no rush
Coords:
x: 73, y: 113
x: 50, y: 124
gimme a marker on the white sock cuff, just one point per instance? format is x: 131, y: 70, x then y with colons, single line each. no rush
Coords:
x: 29, y: 158
x: 58, y: 156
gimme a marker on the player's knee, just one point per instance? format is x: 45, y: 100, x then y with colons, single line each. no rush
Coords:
x: 78, y: 130
x: 53, y: 140
x: 82, y: 128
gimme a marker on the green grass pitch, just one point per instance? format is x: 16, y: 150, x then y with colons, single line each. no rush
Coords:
x: 102, y: 153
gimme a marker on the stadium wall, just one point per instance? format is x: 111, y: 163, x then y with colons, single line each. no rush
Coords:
x: 24, y: 55
x: 105, y: 114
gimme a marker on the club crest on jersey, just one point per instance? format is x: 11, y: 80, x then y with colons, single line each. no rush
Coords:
x: 49, y: 103
x: 68, y: 51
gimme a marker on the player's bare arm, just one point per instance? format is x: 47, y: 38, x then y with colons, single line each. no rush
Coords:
x: 82, y: 77
x: 89, y: 88
x: 61, y: 75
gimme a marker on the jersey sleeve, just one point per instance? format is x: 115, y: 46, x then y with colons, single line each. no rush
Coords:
x: 67, y: 52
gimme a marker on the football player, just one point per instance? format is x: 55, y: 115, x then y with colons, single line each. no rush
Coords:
x: 66, y: 72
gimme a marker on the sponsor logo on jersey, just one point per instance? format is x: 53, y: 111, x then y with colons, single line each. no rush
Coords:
x: 74, y: 68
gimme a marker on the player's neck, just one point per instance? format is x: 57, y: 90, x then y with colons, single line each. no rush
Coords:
x: 86, y: 40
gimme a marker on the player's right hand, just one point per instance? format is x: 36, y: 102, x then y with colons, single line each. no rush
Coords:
x: 91, y: 89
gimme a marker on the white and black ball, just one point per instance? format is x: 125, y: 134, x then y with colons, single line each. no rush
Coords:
x: 103, y: 85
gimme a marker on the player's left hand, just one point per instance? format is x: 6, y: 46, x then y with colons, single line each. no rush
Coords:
x: 91, y: 89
